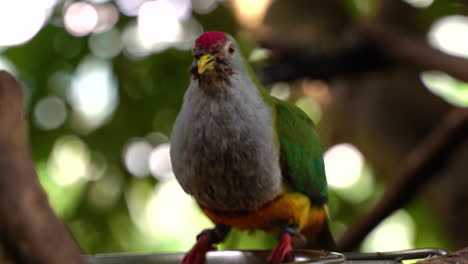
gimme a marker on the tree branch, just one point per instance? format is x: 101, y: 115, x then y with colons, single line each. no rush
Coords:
x: 380, y: 47
x: 421, y: 165
x: 29, y: 230
x: 361, y: 57
x: 403, y: 48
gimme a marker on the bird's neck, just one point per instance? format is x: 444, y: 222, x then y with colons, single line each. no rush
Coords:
x: 212, y: 84
x: 235, y: 97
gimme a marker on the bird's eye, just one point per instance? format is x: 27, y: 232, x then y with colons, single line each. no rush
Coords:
x: 231, y: 50
x: 197, y: 56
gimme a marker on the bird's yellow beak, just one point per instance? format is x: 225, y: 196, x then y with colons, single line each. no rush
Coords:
x: 206, y: 62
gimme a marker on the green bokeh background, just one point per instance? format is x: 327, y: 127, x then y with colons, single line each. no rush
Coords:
x: 106, y: 210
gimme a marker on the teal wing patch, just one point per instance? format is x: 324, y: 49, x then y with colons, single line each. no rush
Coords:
x: 301, y: 154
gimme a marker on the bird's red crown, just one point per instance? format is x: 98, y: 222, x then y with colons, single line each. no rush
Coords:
x: 209, y: 40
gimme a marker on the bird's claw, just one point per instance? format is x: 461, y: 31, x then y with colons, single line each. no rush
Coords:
x: 197, y: 254
x: 205, y: 241
x: 283, y: 251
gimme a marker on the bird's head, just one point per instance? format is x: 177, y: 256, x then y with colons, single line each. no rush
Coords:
x: 216, y: 58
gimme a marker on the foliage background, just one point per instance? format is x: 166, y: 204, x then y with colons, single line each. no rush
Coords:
x: 101, y: 106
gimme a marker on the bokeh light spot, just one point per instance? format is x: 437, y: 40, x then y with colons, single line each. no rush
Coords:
x: 160, y: 162
x: 93, y: 94
x: 50, y: 113
x: 343, y: 165
x: 447, y: 87
x: 183, y: 8
x: 281, y: 90
x: 7, y: 65
x: 396, y: 232
x: 361, y: 190
x: 130, y: 7
x: 108, y: 15
x: 132, y: 45
x: 156, y: 138
x: 136, y: 156
x: 106, y: 45
x: 259, y: 54
x: 20, y: 20
x: 450, y: 34
x: 98, y: 1
x: 80, y: 18
x: 250, y: 12
x: 169, y: 225
x: 317, y: 90
x: 159, y: 24
x: 137, y: 195
x: 191, y: 29
x: 69, y: 161
x: 419, y: 3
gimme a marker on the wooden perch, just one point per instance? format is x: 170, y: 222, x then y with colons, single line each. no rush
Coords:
x: 29, y: 230
x: 421, y: 165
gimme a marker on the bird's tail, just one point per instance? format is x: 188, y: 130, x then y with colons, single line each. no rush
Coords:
x: 318, y: 232
x: 324, y: 239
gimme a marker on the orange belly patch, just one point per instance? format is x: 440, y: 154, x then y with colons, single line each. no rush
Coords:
x: 288, y: 209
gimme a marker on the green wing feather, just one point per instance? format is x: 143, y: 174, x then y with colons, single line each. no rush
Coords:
x: 301, y: 154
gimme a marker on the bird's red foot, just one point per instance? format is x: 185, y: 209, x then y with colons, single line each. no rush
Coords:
x: 283, y: 251
x: 197, y: 254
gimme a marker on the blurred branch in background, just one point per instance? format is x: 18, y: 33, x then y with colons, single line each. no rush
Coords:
x: 103, y: 81
x: 293, y: 64
x: 421, y: 165
x: 381, y: 45
x: 29, y: 230
x: 404, y: 48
